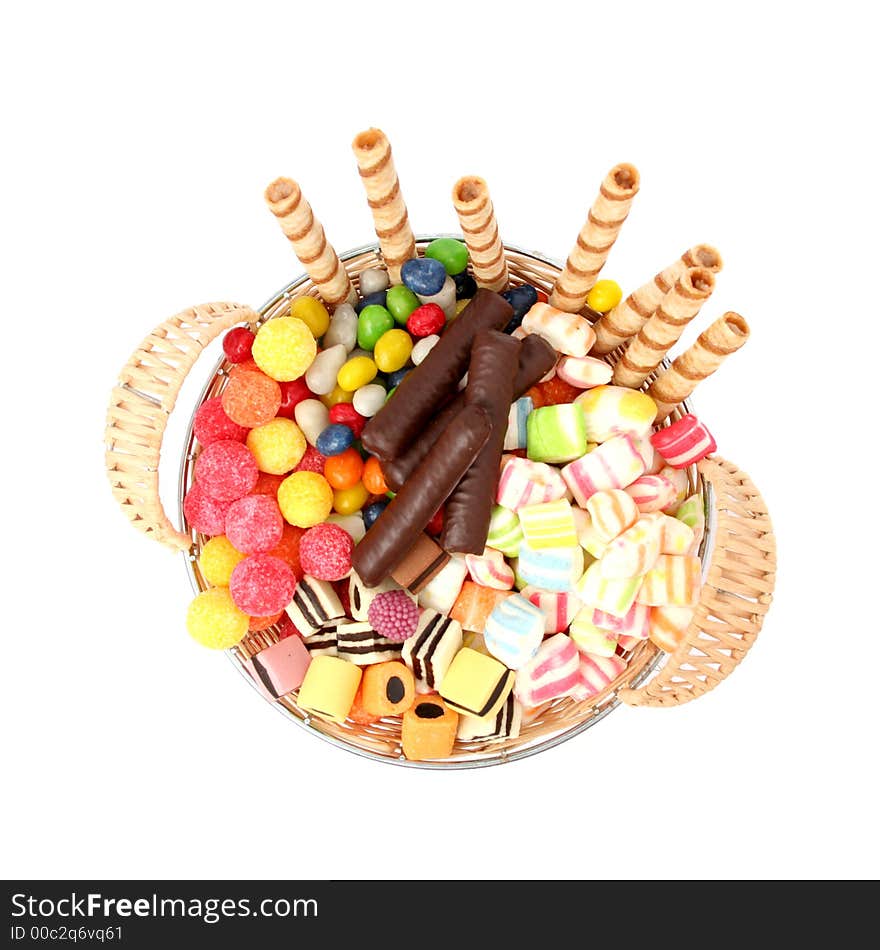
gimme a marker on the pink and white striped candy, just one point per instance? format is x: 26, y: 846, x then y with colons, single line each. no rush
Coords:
x: 634, y: 552
x: 490, y: 569
x: 684, y: 442
x: 612, y: 512
x: 584, y: 371
x: 650, y: 456
x: 524, y: 482
x: 651, y: 493
x: 677, y: 537
x: 589, y: 638
x: 634, y: 624
x: 594, y: 674
x: 552, y: 672
x: 613, y: 464
x: 559, y: 607
x: 679, y: 479
x: 628, y: 643
x: 672, y: 582
x: 569, y: 333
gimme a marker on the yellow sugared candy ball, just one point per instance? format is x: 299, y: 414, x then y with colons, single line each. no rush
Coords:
x: 312, y: 313
x: 214, y: 621
x: 392, y: 350
x: 217, y: 560
x: 277, y: 446
x: 336, y: 396
x: 284, y: 348
x: 346, y: 501
x: 357, y: 372
x: 305, y: 499
x: 604, y: 295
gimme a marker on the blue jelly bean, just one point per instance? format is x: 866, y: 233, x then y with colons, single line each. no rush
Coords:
x: 378, y: 298
x: 333, y: 440
x: 394, y: 379
x: 372, y: 512
x: 465, y: 286
x: 522, y: 299
x: 424, y: 275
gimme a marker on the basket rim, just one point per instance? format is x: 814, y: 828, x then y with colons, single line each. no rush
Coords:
x: 491, y: 756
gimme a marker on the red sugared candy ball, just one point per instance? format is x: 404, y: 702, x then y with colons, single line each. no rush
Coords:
x: 226, y: 470
x: 426, y: 320
x: 288, y: 548
x: 261, y: 585
x: 344, y: 413
x: 394, y: 615
x: 204, y: 513
x: 293, y: 393
x: 237, y: 344
x: 267, y: 484
x: 251, y: 398
x: 211, y: 424
x: 255, y: 624
x: 254, y: 524
x: 312, y: 461
x: 325, y: 552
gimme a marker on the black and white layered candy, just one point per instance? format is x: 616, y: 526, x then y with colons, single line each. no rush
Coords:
x: 429, y: 651
x: 505, y: 724
x: 314, y: 605
x: 360, y: 644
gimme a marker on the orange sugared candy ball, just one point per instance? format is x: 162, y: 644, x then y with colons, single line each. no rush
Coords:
x: 343, y: 470
x: 251, y: 398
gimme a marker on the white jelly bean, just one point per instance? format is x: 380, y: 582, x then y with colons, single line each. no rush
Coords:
x: 444, y: 298
x: 313, y: 417
x: 352, y: 524
x: 321, y: 375
x: 369, y: 399
x: 373, y: 280
x: 343, y: 328
x: 422, y: 348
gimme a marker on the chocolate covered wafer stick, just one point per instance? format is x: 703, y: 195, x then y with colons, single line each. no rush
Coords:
x: 476, y: 215
x: 400, y: 525
x: 596, y: 238
x: 536, y: 359
x: 305, y: 233
x: 422, y: 391
x: 725, y: 336
x: 491, y: 373
x: 630, y: 315
x: 646, y: 351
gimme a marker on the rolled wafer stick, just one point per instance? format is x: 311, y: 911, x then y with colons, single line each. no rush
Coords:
x: 390, y: 219
x: 630, y: 315
x: 310, y: 244
x: 473, y: 204
x: 491, y: 373
x: 596, y: 238
x: 723, y: 337
x: 536, y: 359
x: 423, y: 391
x: 646, y: 351
x: 400, y: 525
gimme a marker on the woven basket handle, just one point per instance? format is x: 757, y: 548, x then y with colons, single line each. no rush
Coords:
x: 735, y: 597
x: 141, y: 403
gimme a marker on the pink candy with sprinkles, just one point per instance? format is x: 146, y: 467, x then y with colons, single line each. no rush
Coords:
x: 393, y: 615
x: 325, y: 552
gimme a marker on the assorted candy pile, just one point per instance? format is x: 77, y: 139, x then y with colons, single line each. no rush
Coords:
x: 442, y: 505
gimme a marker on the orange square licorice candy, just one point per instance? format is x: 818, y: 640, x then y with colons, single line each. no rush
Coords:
x: 429, y: 729
x: 388, y: 689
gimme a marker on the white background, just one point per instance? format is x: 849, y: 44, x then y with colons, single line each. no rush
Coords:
x: 137, y: 144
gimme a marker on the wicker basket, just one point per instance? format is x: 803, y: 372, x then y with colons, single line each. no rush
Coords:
x: 738, y: 550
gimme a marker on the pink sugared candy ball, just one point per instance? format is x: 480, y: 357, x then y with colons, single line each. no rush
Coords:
x: 262, y: 585
x: 254, y: 524
x: 312, y: 461
x: 226, y: 470
x: 325, y: 552
x: 211, y: 424
x: 394, y: 615
x: 684, y: 442
x: 237, y: 344
x: 204, y: 513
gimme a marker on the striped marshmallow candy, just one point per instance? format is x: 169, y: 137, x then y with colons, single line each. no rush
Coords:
x: 490, y: 569
x: 595, y: 673
x: 515, y: 437
x: 588, y: 537
x: 614, y: 464
x: 672, y: 582
x: 628, y: 643
x: 679, y: 479
x: 589, y: 638
x: 550, y: 673
x: 549, y: 525
x: 505, y: 531
x: 668, y: 625
x: 570, y: 334
x: 634, y: 552
x: 634, y: 624
x: 650, y: 456
x: 514, y: 631
x: 524, y: 482
x: 693, y: 513
x: 651, y: 493
x: 611, y: 512
x: 585, y: 372
x: 677, y: 537
x: 684, y: 442
x: 550, y: 568
x: 611, y: 595
x: 615, y: 410
x: 558, y: 607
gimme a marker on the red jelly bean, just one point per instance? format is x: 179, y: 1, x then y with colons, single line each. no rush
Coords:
x: 211, y: 424
x: 237, y: 344
x: 435, y: 526
x: 426, y: 320
x: 344, y: 413
x: 292, y: 394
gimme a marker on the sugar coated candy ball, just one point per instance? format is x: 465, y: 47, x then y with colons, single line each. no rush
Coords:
x: 344, y: 470
x: 604, y: 295
x: 251, y: 398
x: 254, y: 524
x: 211, y: 424
x: 325, y: 552
x: 346, y: 501
x: 452, y: 254
x: 394, y: 615
x: 214, y: 620
x: 284, y: 348
x: 262, y: 585
x: 288, y: 548
x: 226, y: 470
x: 305, y: 499
x: 205, y: 514
x: 293, y: 392
x: 217, y: 560
x: 336, y: 438
x: 393, y: 350
x: 312, y: 461
x: 312, y: 313
x: 277, y: 446
x: 237, y: 344
x: 256, y: 624
x: 267, y: 484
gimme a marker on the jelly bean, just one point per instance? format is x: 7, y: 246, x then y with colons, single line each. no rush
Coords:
x: 284, y: 348
x: 522, y: 299
x: 351, y: 524
x: 372, y: 280
x: 422, y: 348
x: 343, y: 328
x: 465, y: 285
x: 400, y: 302
x: 345, y: 414
x: 344, y: 470
x: 312, y: 417
x: 394, y: 379
x: 452, y: 254
x: 321, y: 375
x: 369, y: 399
x: 237, y: 344
x: 459, y: 306
x: 444, y: 298
x: 336, y: 396
x: 334, y: 439
x: 312, y: 313
x: 377, y: 299
x: 392, y: 350
x: 373, y: 478
x: 372, y: 512
x: 423, y: 275
x: 292, y: 394
x: 391, y: 392
x: 373, y: 321
x: 357, y: 372
x: 604, y: 295
x: 427, y: 320
x: 346, y: 501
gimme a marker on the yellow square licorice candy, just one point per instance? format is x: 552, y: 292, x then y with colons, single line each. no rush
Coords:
x: 476, y: 684
x: 329, y: 688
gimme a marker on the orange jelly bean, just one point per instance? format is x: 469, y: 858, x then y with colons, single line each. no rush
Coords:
x: 373, y: 479
x: 344, y: 470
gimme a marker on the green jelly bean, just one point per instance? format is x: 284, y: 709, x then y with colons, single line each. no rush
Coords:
x: 401, y: 301
x: 452, y: 254
x: 373, y: 321
x: 391, y: 392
